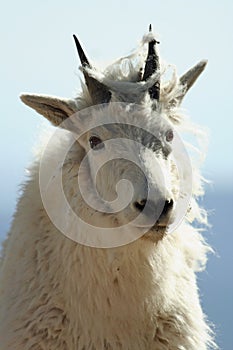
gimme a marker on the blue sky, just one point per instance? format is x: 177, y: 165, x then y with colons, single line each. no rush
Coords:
x: 38, y: 55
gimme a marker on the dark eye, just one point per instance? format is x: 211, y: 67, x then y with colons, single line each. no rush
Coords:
x: 169, y: 135
x: 96, y: 143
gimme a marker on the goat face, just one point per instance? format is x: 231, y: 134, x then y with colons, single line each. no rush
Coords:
x: 128, y: 155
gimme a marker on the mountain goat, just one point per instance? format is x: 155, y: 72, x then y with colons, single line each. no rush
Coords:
x: 102, y: 252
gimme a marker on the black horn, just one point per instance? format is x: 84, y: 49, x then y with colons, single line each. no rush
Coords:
x: 152, y: 66
x: 98, y: 91
x: 82, y: 56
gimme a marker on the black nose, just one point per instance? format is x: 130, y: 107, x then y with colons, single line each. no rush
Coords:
x: 140, y: 205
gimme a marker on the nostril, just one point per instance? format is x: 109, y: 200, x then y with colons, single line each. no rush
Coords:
x: 140, y: 205
x: 167, y: 207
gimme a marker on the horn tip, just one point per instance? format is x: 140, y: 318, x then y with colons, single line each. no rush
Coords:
x: 150, y: 28
x: 75, y: 38
x: 203, y: 62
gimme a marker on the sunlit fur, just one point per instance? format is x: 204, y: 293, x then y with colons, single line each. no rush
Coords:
x: 59, y: 295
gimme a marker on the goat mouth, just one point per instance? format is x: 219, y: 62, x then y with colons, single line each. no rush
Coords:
x: 163, y: 222
x: 159, y: 226
x: 155, y: 233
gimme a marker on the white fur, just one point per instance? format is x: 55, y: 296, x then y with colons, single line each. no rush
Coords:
x: 60, y: 295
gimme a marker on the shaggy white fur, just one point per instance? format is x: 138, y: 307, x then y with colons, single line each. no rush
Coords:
x: 59, y: 295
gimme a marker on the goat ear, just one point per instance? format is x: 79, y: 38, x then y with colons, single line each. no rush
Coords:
x: 189, y: 78
x: 186, y: 81
x: 55, y: 109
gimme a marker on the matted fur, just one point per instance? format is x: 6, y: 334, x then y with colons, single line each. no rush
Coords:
x: 59, y: 295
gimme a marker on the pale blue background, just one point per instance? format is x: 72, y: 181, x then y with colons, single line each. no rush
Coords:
x: 38, y: 55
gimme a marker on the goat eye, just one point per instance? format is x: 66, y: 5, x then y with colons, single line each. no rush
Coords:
x: 169, y: 135
x: 96, y: 143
